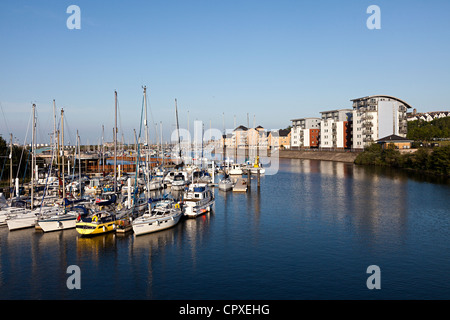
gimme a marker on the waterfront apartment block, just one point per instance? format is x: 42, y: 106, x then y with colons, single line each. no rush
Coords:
x: 379, y: 116
x: 305, y: 133
x: 335, y: 129
x: 370, y: 119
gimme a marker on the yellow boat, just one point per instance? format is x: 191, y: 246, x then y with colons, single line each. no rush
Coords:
x: 99, y: 223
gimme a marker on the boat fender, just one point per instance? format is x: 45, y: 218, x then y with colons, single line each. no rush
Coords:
x: 104, y: 228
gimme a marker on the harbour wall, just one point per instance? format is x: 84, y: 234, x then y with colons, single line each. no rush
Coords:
x: 339, y: 156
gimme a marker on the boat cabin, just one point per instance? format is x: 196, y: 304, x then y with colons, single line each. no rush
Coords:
x: 197, y: 192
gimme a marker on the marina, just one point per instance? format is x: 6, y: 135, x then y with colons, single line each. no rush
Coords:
x: 332, y: 220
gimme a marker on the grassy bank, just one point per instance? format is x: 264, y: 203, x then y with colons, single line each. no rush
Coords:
x: 433, y: 161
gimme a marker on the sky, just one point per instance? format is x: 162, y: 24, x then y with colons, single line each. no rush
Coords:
x: 224, y: 61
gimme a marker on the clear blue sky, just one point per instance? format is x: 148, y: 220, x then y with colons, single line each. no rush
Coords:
x: 275, y: 60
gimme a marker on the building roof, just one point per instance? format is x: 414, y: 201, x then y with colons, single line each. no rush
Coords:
x: 393, y: 138
x: 336, y: 110
x: 241, y: 127
x: 305, y: 118
x: 382, y: 96
x: 283, y: 132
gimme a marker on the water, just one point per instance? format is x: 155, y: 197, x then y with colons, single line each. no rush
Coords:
x: 309, y: 232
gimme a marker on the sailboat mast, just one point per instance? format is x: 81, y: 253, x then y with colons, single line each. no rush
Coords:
x: 62, y: 154
x: 103, y: 148
x: 55, y: 144
x: 162, y: 150
x: 146, y: 130
x: 178, y: 129
x: 224, y: 139
x: 10, y: 166
x: 79, y: 164
x: 115, y: 141
x: 33, y: 152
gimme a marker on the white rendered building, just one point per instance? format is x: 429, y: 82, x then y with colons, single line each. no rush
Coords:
x: 375, y: 117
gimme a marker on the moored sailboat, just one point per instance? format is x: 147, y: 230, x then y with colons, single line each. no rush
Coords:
x: 165, y: 214
x: 226, y: 183
x: 62, y: 220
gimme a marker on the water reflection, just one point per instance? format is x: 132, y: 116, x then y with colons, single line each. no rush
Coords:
x: 371, y: 204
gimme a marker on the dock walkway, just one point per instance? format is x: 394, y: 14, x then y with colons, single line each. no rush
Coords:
x: 240, y: 186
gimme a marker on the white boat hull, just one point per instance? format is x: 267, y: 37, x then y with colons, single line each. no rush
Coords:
x: 255, y: 170
x: 55, y: 223
x: 10, y: 213
x: 25, y: 221
x: 178, y: 186
x: 194, y: 210
x: 225, y: 186
x: 141, y: 227
x: 30, y: 219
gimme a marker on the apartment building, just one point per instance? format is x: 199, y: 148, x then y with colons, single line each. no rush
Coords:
x: 378, y: 116
x: 336, y: 129
x: 305, y: 133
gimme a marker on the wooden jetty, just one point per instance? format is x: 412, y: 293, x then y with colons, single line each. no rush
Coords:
x: 240, y: 185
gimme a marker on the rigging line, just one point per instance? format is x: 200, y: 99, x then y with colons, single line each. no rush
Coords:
x: 38, y: 129
x: 68, y: 129
x: 153, y: 121
x: 3, y: 167
x: 4, y: 117
x: 46, y: 181
x: 120, y: 118
x: 24, y: 146
x: 26, y: 166
x: 138, y: 156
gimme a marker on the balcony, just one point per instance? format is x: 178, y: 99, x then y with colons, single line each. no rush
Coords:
x: 366, y: 116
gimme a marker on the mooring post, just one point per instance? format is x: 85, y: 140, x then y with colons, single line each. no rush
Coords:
x: 258, y: 175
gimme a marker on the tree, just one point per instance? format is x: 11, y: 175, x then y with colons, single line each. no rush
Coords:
x: 17, y: 154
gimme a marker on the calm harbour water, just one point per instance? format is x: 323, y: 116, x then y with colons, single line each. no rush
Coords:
x: 309, y: 232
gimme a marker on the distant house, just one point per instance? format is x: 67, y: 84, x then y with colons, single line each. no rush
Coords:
x: 427, y: 116
x: 280, y: 138
x: 399, y: 142
x: 256, y: 137
x: 285, y: 138
x: 240, y: 136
